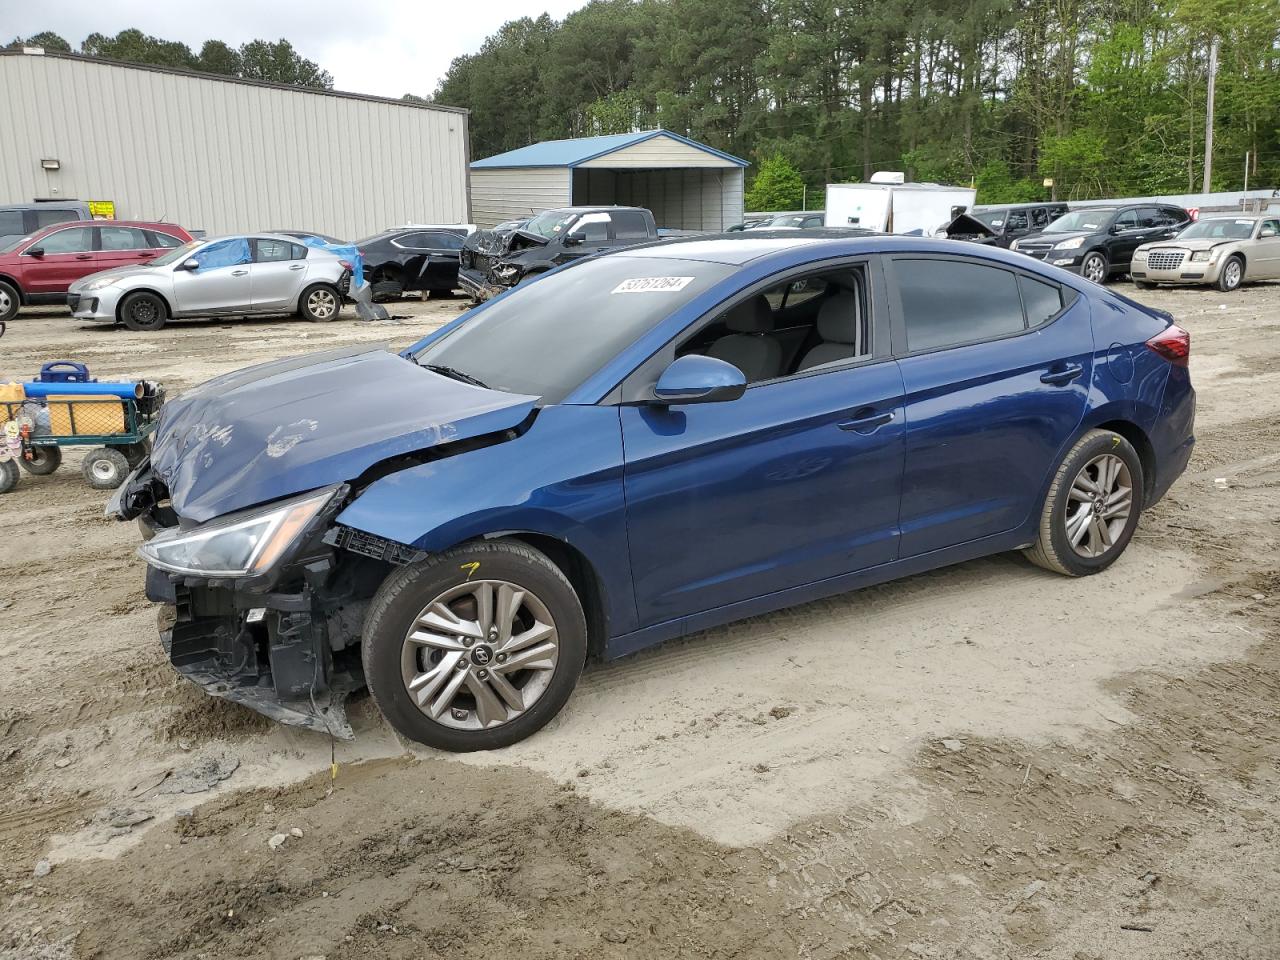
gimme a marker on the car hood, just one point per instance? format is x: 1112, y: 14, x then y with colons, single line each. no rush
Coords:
x: 1056, y: 237
x: 285, y: 427
x: 971, y: 228
x: 1198, y: 243
x: 118, y: 273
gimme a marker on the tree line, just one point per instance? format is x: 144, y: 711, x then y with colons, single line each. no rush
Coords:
x: 1107, y: 99
x: 261, y: 60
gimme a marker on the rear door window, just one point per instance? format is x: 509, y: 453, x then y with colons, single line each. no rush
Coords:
x: 1039, y: 218
x: 47, y: 218
x: 273, y: 251
x: 162, y: 240
x: 1041, y: 301
x: 630, y: 225
x: 946, y: 303
x: 121, y: 238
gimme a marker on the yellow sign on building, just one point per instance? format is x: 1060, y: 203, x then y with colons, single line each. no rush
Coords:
x: 102, y: 209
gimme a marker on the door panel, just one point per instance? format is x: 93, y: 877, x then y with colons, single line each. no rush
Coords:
x: 68, y: 256
x: 123, y: 246
x: 221, y: 284
x: 733, y: 500
x: 984, y: 428
x: 1266, y: 253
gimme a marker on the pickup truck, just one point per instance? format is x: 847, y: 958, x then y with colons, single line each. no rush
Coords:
x: 493, y: 261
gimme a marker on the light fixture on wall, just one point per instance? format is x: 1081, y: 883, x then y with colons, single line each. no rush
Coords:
x: 51, y: 163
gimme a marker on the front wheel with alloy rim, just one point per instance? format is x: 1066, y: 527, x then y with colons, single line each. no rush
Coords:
x: 1232, y: 275
x: 1094, y: 267
x: 10, y: 301
x: 1092, y: 507
x: 476, y: 648
x: 144, y: 312
x: 319, y: 303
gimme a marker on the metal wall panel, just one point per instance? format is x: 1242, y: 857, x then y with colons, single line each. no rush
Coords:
x: 223, y: 156
x: 659, y: 152
x: 513, y: 193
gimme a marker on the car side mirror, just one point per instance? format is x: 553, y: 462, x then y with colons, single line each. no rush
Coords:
x: 192, y: 264
x: 573, y: 239
x: 35, y: 251
x: 698, y: 379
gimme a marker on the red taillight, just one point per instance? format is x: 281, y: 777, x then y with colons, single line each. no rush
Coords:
x: 1173, y: 343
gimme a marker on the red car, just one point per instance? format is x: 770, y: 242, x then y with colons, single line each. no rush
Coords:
x: 39, y: 268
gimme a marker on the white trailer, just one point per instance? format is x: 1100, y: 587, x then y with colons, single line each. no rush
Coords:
x: 890, y: 205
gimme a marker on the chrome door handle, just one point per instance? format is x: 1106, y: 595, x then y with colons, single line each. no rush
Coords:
x: 866, y: 421
x: 297, y: 266
x: 238, y: 273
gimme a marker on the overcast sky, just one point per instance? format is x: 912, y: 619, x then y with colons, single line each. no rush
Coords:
x: 384, y: 47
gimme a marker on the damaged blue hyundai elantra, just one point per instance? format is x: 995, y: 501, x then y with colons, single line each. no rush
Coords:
x: 634, y: 448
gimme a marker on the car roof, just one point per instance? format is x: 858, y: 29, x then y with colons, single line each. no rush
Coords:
x: 141, y: 224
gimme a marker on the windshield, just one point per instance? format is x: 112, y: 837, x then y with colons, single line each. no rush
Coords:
x: 13, y: 243
x: 1222, y: 228
x: 176, y: 255
x: 546, y: 338
x: 990, y: 218
x: 1094, y: 219
x: 550, y: 223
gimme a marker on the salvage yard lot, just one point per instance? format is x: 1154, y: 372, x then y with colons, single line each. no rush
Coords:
x: 984, y: 761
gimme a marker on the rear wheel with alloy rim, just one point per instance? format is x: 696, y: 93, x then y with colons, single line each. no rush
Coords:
x: 1232, y: 274
x: 1094, y: 267
x: 320, y: 303
x: 476, y: 648
x: 1092, y: 508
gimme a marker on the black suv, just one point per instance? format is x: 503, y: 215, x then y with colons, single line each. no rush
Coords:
x: 1098, y: 242
x: 1000, y: 226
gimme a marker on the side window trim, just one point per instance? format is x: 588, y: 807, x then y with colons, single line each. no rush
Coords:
x: 877, y: 325
x: 897, y: 318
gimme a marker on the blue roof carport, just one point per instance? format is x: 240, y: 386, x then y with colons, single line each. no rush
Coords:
x: 688, y: 185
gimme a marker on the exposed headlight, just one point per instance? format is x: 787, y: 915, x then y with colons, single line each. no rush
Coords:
x: 238, y: 545
x: 97, y: 283
x: 1069, y: 244
x: 1202, y: 255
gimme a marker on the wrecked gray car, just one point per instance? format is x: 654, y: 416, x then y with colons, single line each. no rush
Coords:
x: 493, y: 261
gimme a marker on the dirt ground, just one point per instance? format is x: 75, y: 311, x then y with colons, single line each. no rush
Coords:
x: 987, y: 761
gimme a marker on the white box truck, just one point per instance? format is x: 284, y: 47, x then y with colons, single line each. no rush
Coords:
x: 890, y: 205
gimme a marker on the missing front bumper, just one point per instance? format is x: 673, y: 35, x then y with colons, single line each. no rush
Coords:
x: 272, y: 659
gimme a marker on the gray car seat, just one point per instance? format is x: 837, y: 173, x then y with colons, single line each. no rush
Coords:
x: 750, y: 347
x: 840, y: 327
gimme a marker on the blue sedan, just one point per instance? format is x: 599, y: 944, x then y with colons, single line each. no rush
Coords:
x: 635, y: 448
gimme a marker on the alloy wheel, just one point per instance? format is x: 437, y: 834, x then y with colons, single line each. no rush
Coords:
x: 321, y: 304
x: 1098, y: 505
x: 1231, y: 274
x: 1094, y: 269
x: 5, y: 302
x: 480, y: 654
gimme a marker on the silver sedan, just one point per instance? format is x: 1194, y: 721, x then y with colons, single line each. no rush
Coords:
x: 224, y: 276
x: 1223, y: 251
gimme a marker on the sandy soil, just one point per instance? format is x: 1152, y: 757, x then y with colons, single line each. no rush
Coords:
x: 987, y: 761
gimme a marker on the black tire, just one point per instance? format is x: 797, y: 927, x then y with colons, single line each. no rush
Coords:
x: 1144, y: 285
x: 1231, y: 276
x: 105, y: 468
x: 1095, y: 267
x: 408, y: 590
x: 320, y: 303
x: 144, y: 312
x: 44, y: 460
x: 1053, y: 549
x: 9, y: 475
x: 10, y: 300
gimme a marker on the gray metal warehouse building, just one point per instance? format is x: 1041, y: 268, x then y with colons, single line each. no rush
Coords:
x: 224, y: 155
x: 686, y: 184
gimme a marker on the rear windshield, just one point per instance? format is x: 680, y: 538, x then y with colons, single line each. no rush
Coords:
x: 546, y: 338
x: 177, y: 254
x: 1222, y: 228
x: 1093, y: 219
